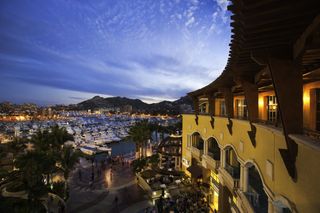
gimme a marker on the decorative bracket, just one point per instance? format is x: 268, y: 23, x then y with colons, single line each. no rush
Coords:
x: 229, y: 125
x: 289, y: 158
x: 212, y: 122
x: 284, y: 72
x: 252, y: 134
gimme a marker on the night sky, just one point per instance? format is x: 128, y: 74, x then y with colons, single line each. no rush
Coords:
x: 66, y: 51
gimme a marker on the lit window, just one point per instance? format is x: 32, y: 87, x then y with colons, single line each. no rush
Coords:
x: 223, y: 111
x: 272, y: 108
x: 318, y: 109
x: 241, y: 108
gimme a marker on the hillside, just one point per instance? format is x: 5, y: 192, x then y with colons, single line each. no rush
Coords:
x: 184, y: 104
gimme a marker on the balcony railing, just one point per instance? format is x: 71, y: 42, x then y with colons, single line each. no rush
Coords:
x: 198, y: 146
x: 211, y: 161
x: 312, y: 133
x: 197, y: 152
x: 270, y: 123
x: 233, y: 171
x: 255, y: 199
x: 214, y: 154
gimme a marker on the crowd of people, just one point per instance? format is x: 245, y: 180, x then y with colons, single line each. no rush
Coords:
x: 99, y: 166
x: 186, y: 202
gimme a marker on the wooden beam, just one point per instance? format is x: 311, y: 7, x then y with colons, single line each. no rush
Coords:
x: 286, y: 74
x: 259, y: 75
x: 228, y: 98
x: 299, y: 45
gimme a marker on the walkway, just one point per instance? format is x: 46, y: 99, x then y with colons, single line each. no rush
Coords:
x: 114, y: 191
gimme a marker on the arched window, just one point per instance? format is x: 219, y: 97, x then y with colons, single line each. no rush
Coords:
x: 213, y: 149
x: 232, y: 164
x: 255, y: 192
x: 197, y: 141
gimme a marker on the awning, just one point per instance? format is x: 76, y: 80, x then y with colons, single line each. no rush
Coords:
x: 195, y: 170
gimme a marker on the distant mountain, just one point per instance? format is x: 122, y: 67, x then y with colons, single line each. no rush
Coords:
x: 112, y: 102
x: 184, y: 104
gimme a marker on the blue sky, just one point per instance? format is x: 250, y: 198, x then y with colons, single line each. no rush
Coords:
x: 65, y: 51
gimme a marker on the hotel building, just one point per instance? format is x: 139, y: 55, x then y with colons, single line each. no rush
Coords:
x: 254, y: 136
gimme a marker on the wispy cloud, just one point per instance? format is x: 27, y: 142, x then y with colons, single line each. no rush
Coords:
x: 142, y: 49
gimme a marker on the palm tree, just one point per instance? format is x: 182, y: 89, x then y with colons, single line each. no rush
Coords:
x: 59, y: 136
x: 34, y: 165
x: 155, y: 128
x: 50, y: 142
x: 17, y: 146
x: 140, y: 133
x: 41, y: 140
x: 31, y: 169
x: 67, y: 160
x: 51, y: 139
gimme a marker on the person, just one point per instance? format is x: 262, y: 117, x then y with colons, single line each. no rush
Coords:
x: 92, y: 176
x: 80, y: 174
x: 60, y: 208
x: 50, y: 200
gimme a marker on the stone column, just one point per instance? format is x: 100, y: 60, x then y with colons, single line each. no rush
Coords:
x: 223, y: 157
x: 245, y: 179
x: 205, y: 146
x: 241, y: 177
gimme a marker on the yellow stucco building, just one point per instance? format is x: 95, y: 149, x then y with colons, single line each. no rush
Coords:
x: 255, y: 130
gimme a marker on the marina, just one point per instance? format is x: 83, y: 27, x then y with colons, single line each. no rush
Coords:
x: 92, y: 133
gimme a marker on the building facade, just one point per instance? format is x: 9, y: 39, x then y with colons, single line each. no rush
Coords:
x: 255, y: 130
x: 170, y: 150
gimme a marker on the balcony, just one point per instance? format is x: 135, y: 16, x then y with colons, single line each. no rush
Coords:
x: 214, y: 154
x: 211, y: 162
x: 233, y: 171
x: 255, y: 201
x: 229, y: 180
x: 312, y: 134
x: 196, y: 153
